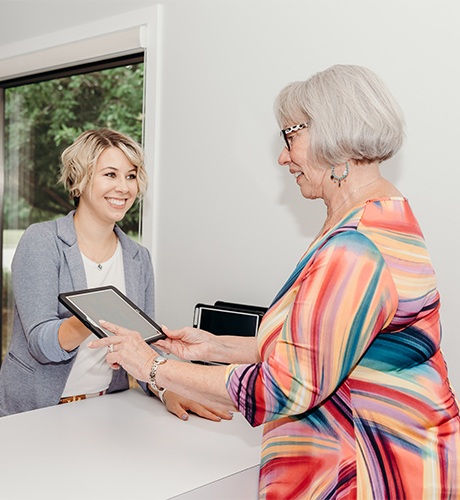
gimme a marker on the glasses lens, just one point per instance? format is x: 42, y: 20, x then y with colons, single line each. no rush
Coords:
x: 286, y: 140
x: 290, y: 130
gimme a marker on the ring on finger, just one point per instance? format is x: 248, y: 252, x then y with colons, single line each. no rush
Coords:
x: 110, y: 347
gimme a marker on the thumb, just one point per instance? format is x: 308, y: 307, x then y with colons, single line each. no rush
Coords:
x: 174, y: 406
x: 172, y: 334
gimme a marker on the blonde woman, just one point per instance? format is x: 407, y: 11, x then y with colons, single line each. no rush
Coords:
x: 48, y: 361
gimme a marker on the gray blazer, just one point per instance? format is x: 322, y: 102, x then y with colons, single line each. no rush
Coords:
x: 47, y: 262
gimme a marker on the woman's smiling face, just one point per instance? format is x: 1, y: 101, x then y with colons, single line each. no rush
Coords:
x: 308, y: 177
x: 113, y: 187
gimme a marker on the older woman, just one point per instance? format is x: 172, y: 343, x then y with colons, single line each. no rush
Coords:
x: 48, y: 361
x: 346, y: 373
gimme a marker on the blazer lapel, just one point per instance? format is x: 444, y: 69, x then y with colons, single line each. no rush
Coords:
x: 132, y: 266
x: 66, y: 233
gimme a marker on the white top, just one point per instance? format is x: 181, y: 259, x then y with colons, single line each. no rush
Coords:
x: 90, y: 373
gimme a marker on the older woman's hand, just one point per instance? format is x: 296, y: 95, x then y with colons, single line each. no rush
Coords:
x: 194, y: 344
x: 187, y: 343
x: 127, y: 349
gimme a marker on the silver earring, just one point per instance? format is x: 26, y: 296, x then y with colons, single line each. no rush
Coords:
x: 337, y: 179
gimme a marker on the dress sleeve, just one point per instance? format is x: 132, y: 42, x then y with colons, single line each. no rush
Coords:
x: 346, y: 296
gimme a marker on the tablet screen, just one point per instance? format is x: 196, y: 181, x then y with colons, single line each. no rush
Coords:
x: 109, y: 304
x: 227, y: 322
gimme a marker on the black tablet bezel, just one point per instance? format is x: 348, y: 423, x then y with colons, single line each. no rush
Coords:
x: 234, y: 310
x: 66, y: 299
x: 228, y: 308
x: 234, y: 306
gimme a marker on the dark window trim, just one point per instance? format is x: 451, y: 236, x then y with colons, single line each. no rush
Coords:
x: 74, y: 70
x: 2, y: 193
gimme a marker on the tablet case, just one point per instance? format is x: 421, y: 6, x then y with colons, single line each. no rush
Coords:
x: 260, y: 310
x: 228, y: 318
x: 93, y: 304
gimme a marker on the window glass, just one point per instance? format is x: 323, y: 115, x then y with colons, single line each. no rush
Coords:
x: 41, y: 120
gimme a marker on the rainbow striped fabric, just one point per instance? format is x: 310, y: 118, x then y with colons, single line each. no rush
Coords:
x: 352, y: 388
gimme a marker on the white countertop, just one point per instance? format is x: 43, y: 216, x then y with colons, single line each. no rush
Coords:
x: 125, y: 446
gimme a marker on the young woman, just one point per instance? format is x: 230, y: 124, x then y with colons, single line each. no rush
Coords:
x: 48, y: 361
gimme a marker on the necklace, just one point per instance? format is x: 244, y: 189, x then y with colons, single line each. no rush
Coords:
x: 99, y: 263
x: 329, y: 217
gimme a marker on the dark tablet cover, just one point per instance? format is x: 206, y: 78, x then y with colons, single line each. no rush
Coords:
x: 108, y: 303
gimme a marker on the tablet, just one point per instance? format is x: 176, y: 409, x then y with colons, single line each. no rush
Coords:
x: 109, y: 304
x: 260, y: 310
x: 224, y: 320
x: 227, y: 318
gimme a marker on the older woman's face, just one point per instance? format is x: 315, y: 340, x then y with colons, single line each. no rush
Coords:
x: 308, y: 177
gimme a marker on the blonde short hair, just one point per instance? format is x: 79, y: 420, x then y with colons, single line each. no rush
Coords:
x: 79, y: 159
x: 351, y: 115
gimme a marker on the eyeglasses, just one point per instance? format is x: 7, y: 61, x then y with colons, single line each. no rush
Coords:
x: 295, y: 128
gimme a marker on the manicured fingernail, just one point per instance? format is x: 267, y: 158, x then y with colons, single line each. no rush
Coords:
x: 185, y: 416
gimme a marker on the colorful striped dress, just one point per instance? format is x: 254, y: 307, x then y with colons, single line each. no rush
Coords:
x: 352, y: 388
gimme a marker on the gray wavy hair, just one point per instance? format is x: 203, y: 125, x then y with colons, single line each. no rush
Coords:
x: 351, y: 115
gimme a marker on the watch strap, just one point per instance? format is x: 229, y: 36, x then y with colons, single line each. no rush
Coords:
x: 159, y: 360
x: 161, y: 395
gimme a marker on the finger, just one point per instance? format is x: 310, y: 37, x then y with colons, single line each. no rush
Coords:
x: 173, y: 334
x: 209, y: 413
x: 115, y: 329
x: 164, y: 344
x: 174, y: 407
x: 111, y: 359
x: 205, y: 412
x: 163, y: 350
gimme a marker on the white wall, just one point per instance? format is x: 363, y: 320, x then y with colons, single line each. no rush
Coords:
x: 224, y: 220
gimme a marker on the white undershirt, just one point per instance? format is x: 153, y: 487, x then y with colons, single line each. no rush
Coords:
x: 90, y: 373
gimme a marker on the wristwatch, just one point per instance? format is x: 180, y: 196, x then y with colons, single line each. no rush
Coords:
x: 159, y: 360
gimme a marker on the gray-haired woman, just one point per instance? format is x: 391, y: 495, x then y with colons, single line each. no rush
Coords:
x: 346, y: 373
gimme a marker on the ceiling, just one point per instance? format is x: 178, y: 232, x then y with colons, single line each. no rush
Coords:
x: 23, y: 19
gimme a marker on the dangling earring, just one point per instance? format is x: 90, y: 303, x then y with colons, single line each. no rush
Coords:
x: 336, y: 179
